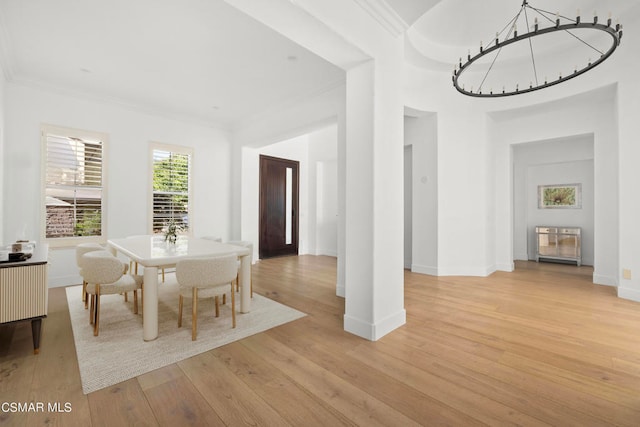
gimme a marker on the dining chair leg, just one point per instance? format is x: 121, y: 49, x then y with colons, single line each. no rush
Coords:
x: 224, y: 298
x: 194, y: 315
x: 92, y: 309
x: 126, y: 297
x: 233, y: 307
x: 163, y: 275
x: 180, y: 312
x: 217, y: 300
x: 85, y: 295
x: 95, y: 309
x: 135, y: 302
x: 96, y: 325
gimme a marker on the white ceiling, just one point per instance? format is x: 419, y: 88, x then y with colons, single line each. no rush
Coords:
x: 197, y: 59
x: 205, y: 60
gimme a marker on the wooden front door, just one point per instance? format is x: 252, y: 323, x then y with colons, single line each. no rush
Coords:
x: 278, y: 207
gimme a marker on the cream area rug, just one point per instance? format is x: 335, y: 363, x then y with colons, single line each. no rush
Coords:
x: 119, y: 352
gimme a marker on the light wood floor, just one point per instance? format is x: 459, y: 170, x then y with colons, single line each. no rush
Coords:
x: 540, y: 346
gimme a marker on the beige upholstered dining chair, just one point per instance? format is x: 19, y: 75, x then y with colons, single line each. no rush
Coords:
x: 104, y: 275
x: 206, y: 278
x: 82, y: 249
x: 219, y: 240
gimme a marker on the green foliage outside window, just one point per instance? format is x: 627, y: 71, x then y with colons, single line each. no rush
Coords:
x: 172, y: 174
x: 170, y: 190
x: 90, y: 224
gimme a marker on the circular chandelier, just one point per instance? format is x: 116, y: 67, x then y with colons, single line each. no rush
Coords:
x: 593, y: 39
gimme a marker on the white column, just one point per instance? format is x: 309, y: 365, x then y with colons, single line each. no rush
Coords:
x: 374, y: 277
x: 629, y: 201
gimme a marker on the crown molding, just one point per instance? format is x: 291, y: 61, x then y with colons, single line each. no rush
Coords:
x: 385, y: 15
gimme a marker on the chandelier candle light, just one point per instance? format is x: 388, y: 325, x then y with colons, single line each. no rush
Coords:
x: 584, y: 34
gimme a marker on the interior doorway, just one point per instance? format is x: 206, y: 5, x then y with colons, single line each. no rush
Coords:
x: 279, y: 194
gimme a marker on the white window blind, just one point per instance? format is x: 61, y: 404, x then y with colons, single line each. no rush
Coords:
x: 73, y: 186
x: 171, y: 184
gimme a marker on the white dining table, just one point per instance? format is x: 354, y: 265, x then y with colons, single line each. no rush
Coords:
x: 153, y: 252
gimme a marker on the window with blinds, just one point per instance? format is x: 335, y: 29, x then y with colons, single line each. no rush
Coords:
x: 73, y: 187
x: 171, y: 187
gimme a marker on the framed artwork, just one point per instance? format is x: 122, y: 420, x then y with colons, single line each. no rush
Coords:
x: 564, y: 196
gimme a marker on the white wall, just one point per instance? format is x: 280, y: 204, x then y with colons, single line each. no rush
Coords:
x: 323, y: 191
x: 627, y: 108
x: 326, y: 242
x: 561, y: 161
x: 464, y: 199
x: 128, y: 175
x: 465, y: 211
x: 3, y: 166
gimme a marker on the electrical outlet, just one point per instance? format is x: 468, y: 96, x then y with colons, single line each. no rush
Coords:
x: 626, y: 274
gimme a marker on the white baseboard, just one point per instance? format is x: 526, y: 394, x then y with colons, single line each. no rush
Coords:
x: 508, y: 267
x: 326, y: 252
x: 460, y: 271
x: 374, y: 332
x: 424, y: 269
x: 340, y: 290
x: 600, y: 279
x: 467, y: 271
x: 630, y: 294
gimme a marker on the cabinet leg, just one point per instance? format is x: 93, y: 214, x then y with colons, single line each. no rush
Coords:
x: 36, y: 326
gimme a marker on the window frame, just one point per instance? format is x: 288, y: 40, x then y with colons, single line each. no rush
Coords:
x: 62, y: 242
x: 177, y: 149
